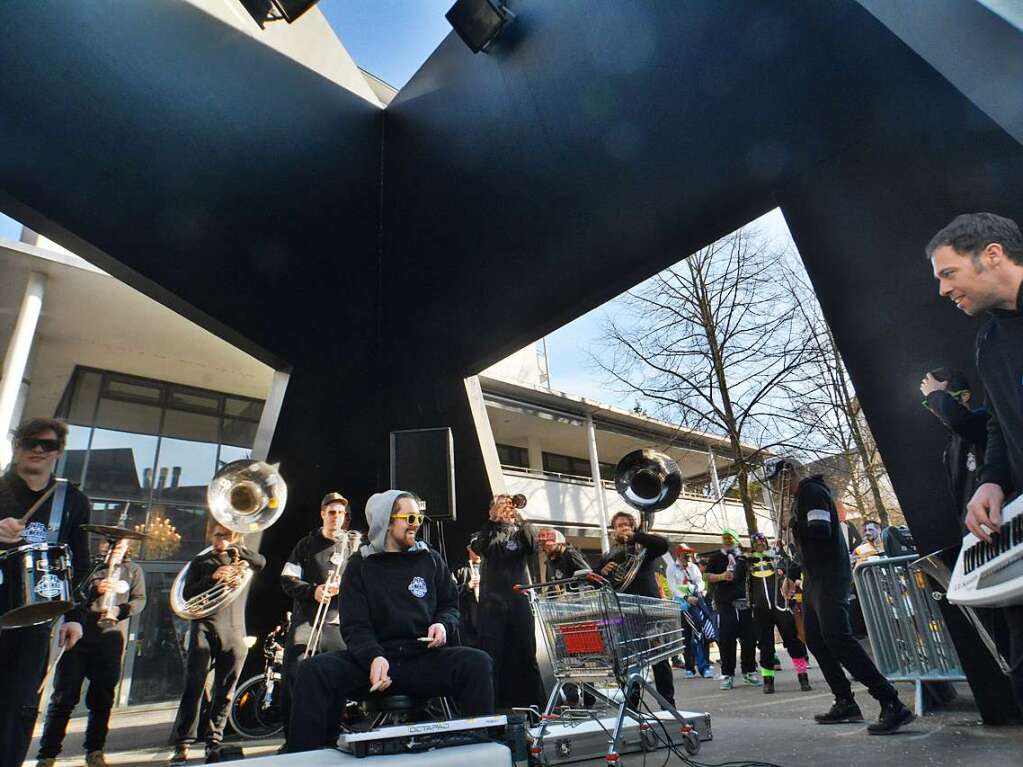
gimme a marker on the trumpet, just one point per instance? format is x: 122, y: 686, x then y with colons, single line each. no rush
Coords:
x: 346, y: 543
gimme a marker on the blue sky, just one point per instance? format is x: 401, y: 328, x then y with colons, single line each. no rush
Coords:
x: 390, y: 38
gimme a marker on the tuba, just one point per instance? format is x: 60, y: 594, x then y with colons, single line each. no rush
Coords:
x: 648, y: 481
x: 244, y: 496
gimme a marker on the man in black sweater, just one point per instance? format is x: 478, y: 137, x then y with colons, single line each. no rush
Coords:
x: 96, y: 658
x: 728, y: 575
x: 215, y: 643
x: 627, y: 541
x: 304, y: 578
x: 563, y: 559
x: 24, y: 652
x: 978, y: 262
x: 398, y: 606
x: 823, y: 564
x: 507, y: 631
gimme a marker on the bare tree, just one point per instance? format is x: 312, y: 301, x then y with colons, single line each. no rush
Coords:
x: 829, y: 413
x: 715, y: 344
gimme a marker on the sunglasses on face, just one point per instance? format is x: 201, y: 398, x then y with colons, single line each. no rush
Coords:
x: 31, y: 443
x: 412, y: 517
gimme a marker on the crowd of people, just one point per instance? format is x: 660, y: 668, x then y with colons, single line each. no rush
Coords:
x: 399, y: 620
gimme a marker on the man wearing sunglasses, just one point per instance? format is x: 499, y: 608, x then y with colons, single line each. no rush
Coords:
x: 947, y: 395
x: 398, y: 607
x: 24, y: 652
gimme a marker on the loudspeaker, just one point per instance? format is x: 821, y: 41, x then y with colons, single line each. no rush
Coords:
x: 423, y: 462
x: 264, y: 11
x: 479, y: 22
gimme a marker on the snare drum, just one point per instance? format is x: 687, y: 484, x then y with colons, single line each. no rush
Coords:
x: 35, y: 584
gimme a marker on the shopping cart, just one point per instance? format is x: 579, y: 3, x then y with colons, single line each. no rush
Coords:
x: 595, y: 634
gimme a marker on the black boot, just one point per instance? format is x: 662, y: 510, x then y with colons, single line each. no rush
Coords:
x: 843, y: 711
x: 213, y: 754
x: 893, y: 715
x: 804, y: 682
x: 768, y: 685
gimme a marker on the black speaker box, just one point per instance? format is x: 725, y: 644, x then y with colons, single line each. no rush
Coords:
x: 422, y: 462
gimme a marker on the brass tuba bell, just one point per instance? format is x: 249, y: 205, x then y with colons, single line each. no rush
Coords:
x: 648, y: 481
x: 244, y: 496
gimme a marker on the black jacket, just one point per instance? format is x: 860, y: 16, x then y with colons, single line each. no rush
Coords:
x: 763, y: 580
x: 468, y: 608
x: 308, y: 567
x: 566, y: 565
x: 645, y: 582
x: 505, y: 549
x: 16, y: 498
x: 389, y: 600
x: 724, y: 593
x: 229, y: 621
x: 964, y: 451
x: 130, y: 603
x: 1000, y: 364
x: 823, y: 555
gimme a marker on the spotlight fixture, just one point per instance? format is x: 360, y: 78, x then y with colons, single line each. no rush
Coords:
x: 479, y: 22
x: 264, y: 11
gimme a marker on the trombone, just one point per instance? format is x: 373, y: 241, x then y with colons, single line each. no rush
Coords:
x: 346, y: 543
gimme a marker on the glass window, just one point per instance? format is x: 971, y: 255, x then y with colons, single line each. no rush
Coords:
x: 159, y: 664
x: 191, y: 401
x: 132, y: 389
x: 248, y: 409
x: 128, y: 416
x: 230, y: 453
x: 239, y: 432
x: 176, y: 533
x: 120, y: 464
x: 510, y: 455
x: 183, y: 471
x: 71, y: 465
x: 83, y: 400
x: 178, y: 423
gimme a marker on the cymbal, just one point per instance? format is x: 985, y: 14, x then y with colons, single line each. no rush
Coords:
x: 113, y: 532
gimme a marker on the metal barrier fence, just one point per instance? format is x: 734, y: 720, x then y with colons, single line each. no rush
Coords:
x: 908, y: 636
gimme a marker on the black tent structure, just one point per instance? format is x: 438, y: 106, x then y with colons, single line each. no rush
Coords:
x: 383, y: 256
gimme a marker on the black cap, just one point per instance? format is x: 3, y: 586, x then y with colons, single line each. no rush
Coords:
x: 333, y: 498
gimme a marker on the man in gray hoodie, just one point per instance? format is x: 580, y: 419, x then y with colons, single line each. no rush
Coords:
x: 398, y: 606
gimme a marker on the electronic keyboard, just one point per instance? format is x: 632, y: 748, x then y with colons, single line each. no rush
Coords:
x: 423, y: 736
x: 991, y: 574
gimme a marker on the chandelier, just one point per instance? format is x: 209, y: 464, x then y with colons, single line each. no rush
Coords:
x: 163, y: 539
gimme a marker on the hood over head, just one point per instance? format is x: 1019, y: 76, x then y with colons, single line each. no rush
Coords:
x: 378, y: 516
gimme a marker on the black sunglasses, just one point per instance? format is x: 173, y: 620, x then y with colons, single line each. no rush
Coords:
x: 31, y: 443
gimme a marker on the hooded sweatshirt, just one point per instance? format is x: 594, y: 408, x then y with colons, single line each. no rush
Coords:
x: 390, y: 599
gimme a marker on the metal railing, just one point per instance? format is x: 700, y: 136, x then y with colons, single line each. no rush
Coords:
x: 908, y: 635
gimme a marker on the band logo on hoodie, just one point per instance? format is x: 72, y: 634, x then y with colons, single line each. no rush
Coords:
x: 418, y: 587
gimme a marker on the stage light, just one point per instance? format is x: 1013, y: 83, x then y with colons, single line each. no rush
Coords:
x: 479, y: 22
x: 276, y: 10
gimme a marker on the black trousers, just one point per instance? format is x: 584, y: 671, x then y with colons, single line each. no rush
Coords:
x: 1013, y: 617
x: 325, y: 683
x: 23, y: 657
x: 507, y: 635
x: 738, y: 625
x: 98, y: 659
x: 766, y: 618
x: 829, y: 637
x: 226, y: 656
x: 330, y: 641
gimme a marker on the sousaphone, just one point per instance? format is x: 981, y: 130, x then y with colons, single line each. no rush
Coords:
x: 247, y: 497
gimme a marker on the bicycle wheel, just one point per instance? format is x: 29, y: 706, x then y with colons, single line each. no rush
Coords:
x: 251, y: 715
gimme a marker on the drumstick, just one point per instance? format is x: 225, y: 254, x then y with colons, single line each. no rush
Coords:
x: 49, y: 671
x: 37, y: 504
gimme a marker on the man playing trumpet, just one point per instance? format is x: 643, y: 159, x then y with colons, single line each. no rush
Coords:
x: 304, y: 579
x: 97, y: 657
x: 215, y: 642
